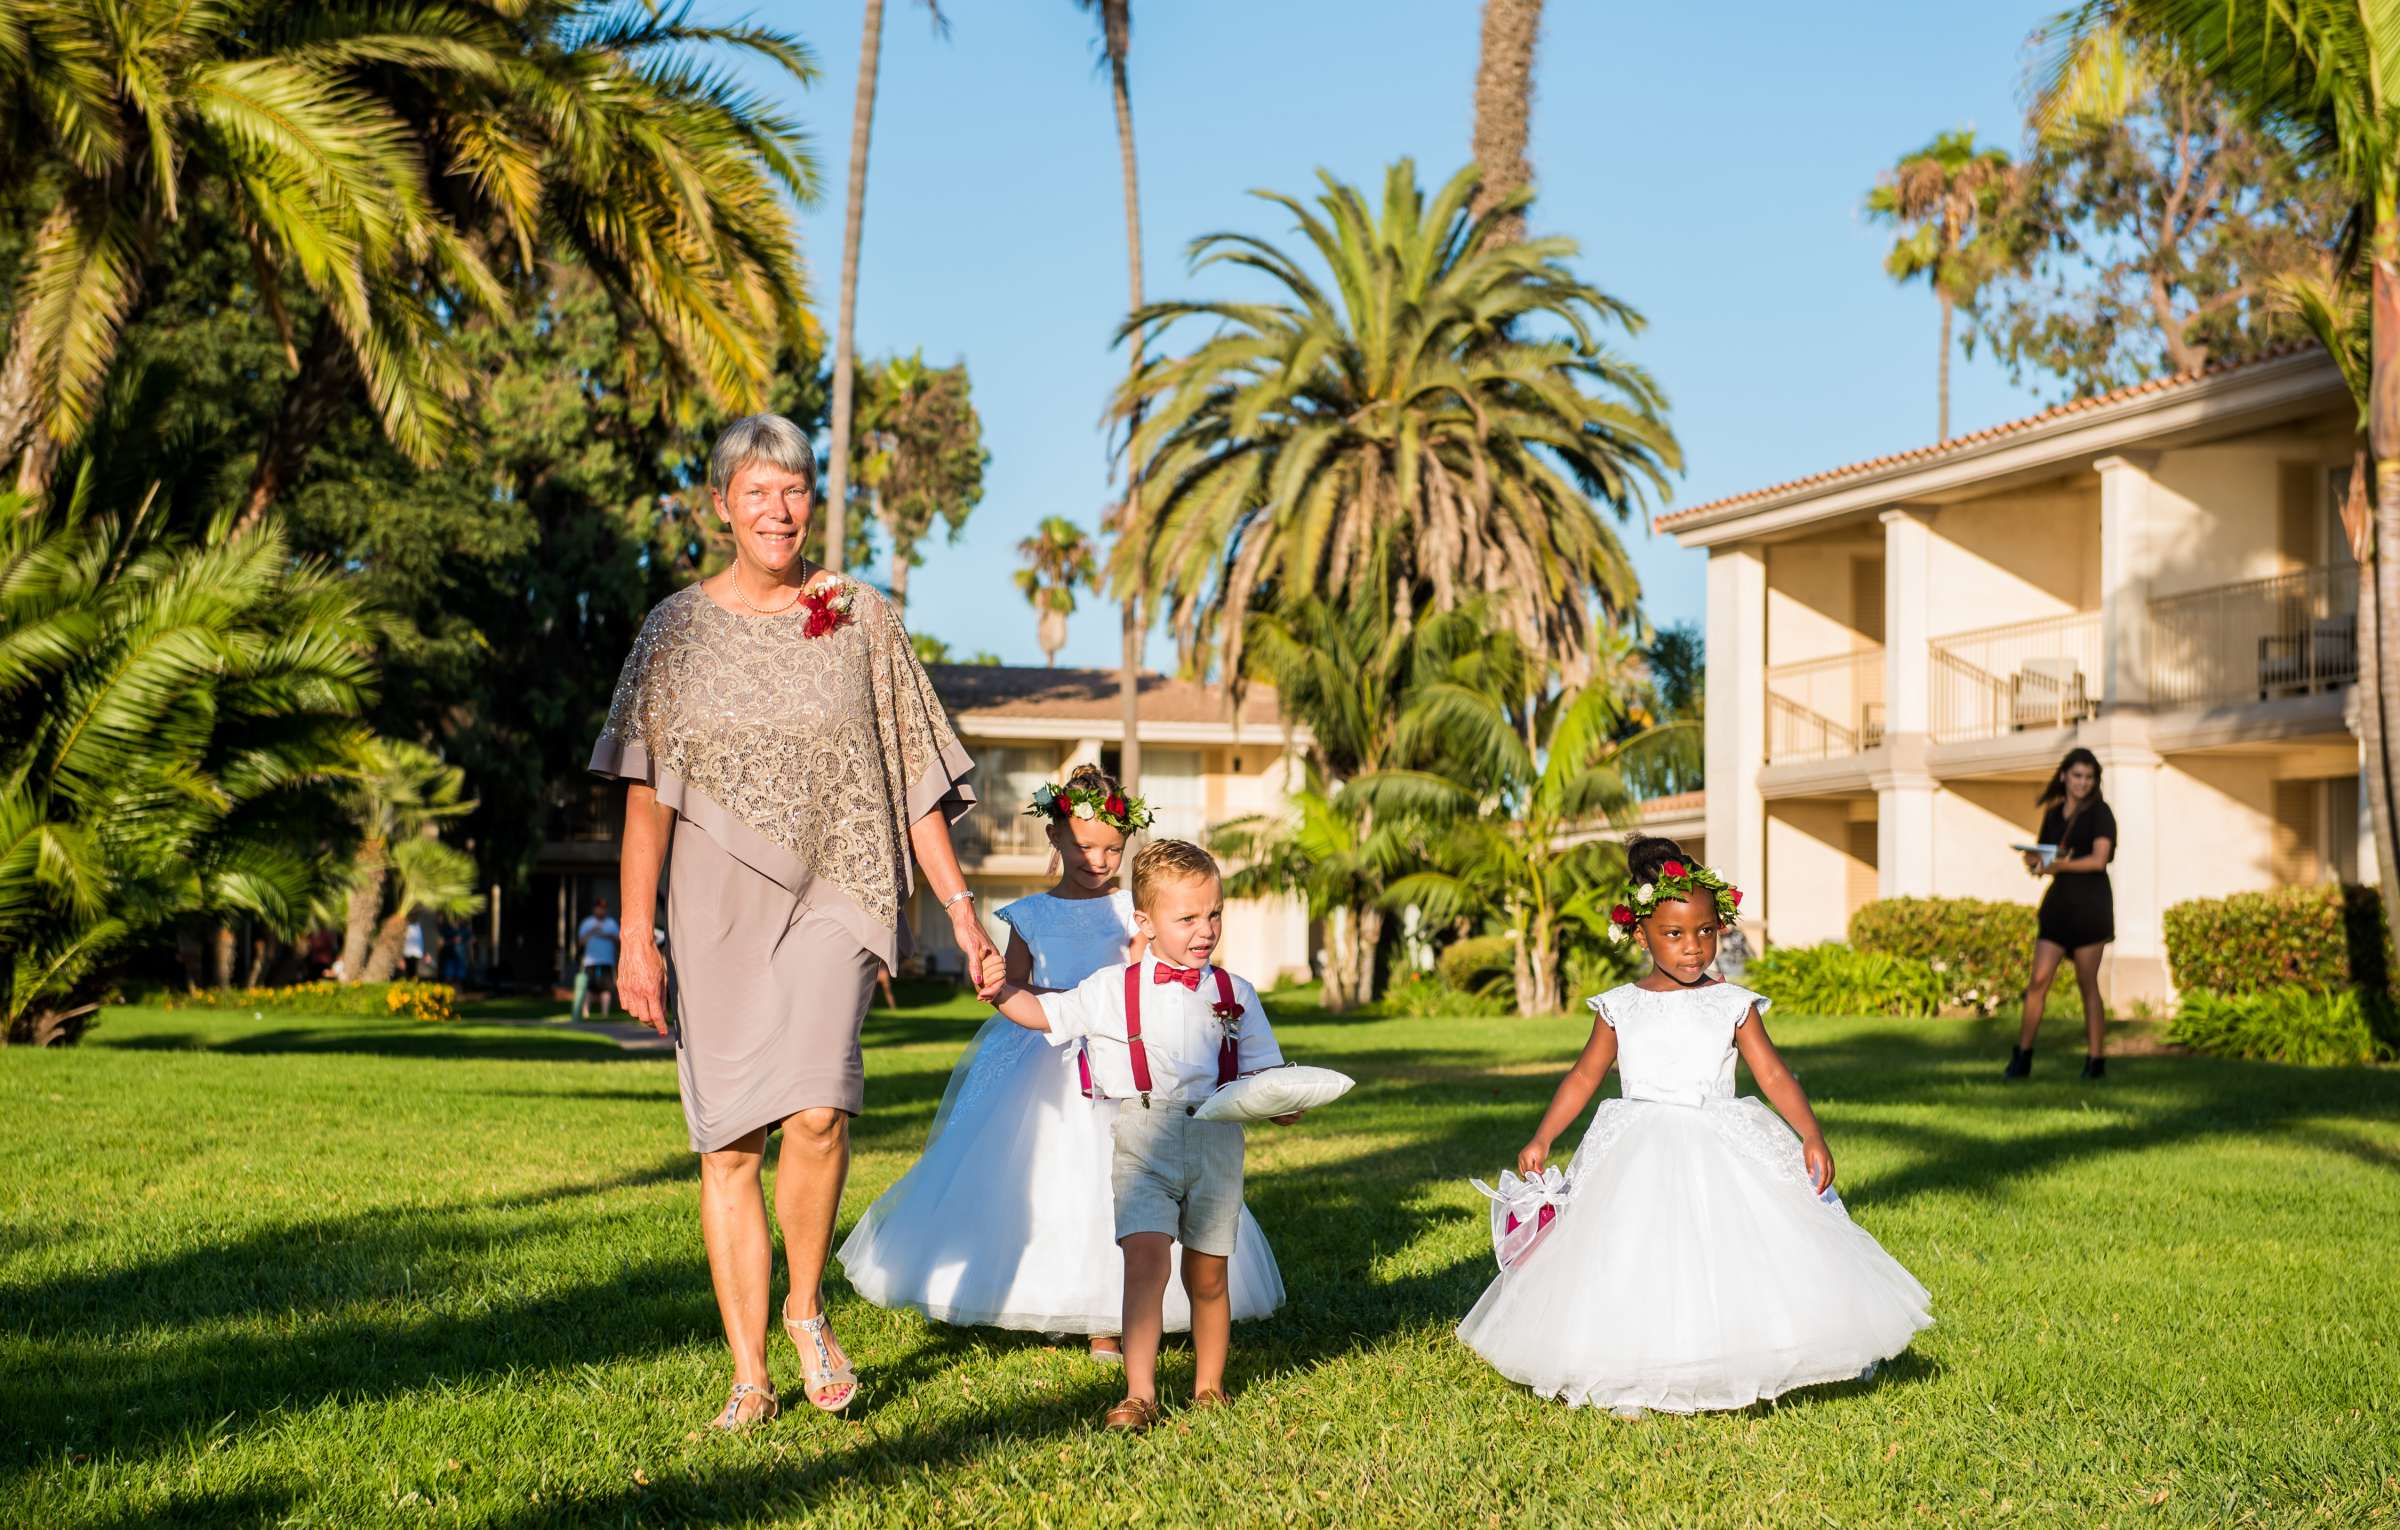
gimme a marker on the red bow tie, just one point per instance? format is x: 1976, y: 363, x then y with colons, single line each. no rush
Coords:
x: 1189, y: 977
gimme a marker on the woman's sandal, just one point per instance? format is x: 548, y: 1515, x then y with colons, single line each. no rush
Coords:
x: 737, y: 1417
x: 823, y: 1376
x: 1132, y: 1415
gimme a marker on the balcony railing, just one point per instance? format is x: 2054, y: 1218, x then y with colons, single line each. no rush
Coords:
x: 2002, y: 680
x: 1826, y: 708
x: 983, y: 834
x: 2255, y: 641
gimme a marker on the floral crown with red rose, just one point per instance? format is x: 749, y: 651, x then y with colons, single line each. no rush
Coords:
x: 1676, y: 881
x: 1127, y: 815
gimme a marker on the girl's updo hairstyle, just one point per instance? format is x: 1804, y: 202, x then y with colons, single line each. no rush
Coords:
x: 1093, y: 779
x: 1646, y: 856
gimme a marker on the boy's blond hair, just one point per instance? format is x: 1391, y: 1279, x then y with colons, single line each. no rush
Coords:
x: 1168, y: 860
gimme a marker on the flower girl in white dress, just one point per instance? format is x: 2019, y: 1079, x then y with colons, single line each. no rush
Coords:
x: 1698, y: 1258
x: 1007, y: 1219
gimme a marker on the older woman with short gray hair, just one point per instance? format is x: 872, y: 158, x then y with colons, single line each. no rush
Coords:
x: 786, y: 756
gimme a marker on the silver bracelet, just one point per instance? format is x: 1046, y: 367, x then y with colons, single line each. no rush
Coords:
x: 960, y: 896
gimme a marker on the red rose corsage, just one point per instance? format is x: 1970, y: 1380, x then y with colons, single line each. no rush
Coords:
x: 1228, y: 1014
x: 829, y: 609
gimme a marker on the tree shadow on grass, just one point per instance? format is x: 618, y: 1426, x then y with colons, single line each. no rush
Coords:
x: 374, y: 1038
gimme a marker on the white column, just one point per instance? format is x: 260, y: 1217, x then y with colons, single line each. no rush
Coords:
x: 2125, y: 579
x: 1737, y: 725
x: 2136, y: 965
x: 1904, y: 789
x: 2368, y: 871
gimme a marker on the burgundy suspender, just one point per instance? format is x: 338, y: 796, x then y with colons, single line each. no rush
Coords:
x: 1133, y: 1031
x: 1229, y: 1051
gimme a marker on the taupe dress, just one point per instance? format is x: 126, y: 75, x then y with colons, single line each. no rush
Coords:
x: 794, y: 766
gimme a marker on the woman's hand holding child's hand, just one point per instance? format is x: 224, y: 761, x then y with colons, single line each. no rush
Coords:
x: 993, y: 978
x: 1819, y: 1160
x: 1532, y: 1156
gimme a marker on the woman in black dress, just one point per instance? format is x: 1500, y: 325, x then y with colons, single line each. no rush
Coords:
x: 2079, y: 914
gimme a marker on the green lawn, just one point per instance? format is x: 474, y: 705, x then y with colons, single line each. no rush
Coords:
x: 345, y: 1272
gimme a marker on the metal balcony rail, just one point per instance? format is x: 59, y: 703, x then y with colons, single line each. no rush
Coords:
x: 1825, y: 709
x: 2010, y: 679
x: 2290, y: 635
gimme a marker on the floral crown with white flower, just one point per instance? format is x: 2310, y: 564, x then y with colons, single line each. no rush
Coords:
x: 1127, y: 815
x: 1676, y: 881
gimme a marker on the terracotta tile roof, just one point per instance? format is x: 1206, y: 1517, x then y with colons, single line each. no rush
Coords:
x: 1677, y: 806
x: 1919, y: 454
x: 1089, y: 695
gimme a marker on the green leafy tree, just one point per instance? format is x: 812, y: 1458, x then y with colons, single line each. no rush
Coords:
x: 1433, y: 420
x: 919, y: 457
x: 1058, y: 560
x: 397, y: 167
x: 1506, y: 794
x: 2151, y: 240
x: 1942, y: 198
x: 401, y: 793
x: 2318, y: 75
x: 174, y: 713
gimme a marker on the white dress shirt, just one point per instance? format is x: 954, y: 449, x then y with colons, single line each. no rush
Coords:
x: 1180, y: 1032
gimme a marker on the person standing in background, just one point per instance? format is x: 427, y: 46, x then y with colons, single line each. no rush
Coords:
x: 597, y: 937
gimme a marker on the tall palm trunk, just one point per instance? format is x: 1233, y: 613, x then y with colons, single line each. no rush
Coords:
x: 1341, y: 960
x: 1942, y: 388
x: 1370, y: 942
x: 1116, y: 31
x: 18, y: 409
x: 310, y: 401
x: 845, y: 341
x: 1504, y: 106
x: 358, y: 929
x: 383, y: 960
x: 2379, y: 572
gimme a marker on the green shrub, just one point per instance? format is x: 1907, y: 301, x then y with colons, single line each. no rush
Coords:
x: 1422, y: 996
x: 418, y: 1001
x: 1833, y: 979
x: 2289, y: 1024
x: 2319, y: 939
x: 1983, y: 952
x: 1484, y: 965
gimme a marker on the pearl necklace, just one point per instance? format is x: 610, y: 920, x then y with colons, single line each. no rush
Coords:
x: 807, y: 572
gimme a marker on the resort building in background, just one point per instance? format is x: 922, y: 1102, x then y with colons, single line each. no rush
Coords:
x: 1202, y: 766
x: 1900, y: 650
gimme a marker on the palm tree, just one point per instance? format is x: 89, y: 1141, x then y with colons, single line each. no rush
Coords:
x: 173, y: 718
x: 399, y: 168
x: 2320, y: 76
x: 845, y: 332
x: 1434, y: 420
x: 1501, y: 794
x: 400, y: 792
x: 1116, y: 41
x: 1323, y: 850
x: 920, y: 456
x: 1942, y: 196
x: 1058, y: 557
x: 1504, y: 108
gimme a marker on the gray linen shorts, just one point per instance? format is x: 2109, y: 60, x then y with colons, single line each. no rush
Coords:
x: 1174, y: 1175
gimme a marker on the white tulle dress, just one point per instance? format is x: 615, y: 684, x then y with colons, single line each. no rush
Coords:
x: 1692, y: 1266
x: 1006, y: 1220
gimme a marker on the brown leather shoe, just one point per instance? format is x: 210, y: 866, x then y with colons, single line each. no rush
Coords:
x: 1209, y: 1397
x: 1132, y: 1414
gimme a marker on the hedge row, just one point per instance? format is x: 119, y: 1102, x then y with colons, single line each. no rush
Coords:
x: 2319, y: 939
x: 1834, y: 979
x: 417, y: 1001
x: 1981, y: 952
x: 2289, y: 1024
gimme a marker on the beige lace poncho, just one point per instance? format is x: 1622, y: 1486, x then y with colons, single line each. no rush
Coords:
x: 804, y: 758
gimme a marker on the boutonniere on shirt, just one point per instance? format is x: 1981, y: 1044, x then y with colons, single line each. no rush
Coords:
x: 828, y: 609
x: 1227, y: 1014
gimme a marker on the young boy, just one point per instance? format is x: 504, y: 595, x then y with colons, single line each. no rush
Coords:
x: 1175, y: 1178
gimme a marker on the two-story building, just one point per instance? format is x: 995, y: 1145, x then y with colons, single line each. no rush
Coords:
x: 1202, y: 766
x: 1900, y: 650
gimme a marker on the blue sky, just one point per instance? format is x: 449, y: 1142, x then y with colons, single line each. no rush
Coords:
x: 1711, y: 160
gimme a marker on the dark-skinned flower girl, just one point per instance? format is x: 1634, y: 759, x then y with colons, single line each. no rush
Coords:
x: 1694, y: 1255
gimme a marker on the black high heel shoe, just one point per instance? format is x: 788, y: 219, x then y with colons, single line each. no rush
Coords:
x: 2020, y: 1064
x: 2095, y: 1067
